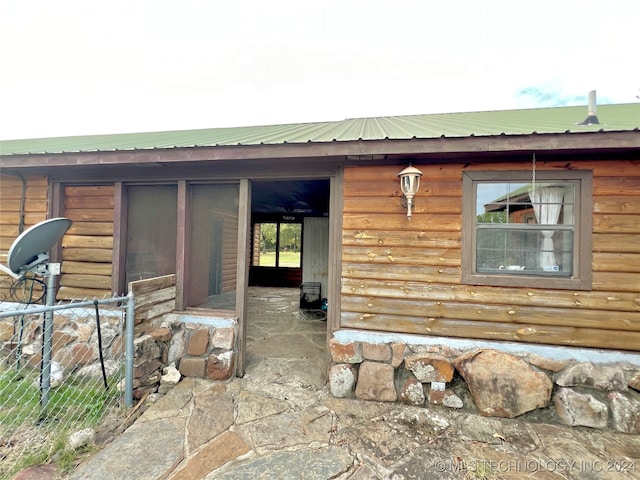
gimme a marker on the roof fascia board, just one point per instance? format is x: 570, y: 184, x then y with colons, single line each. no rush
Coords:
x: 503, y: 143
x: 222, y: 171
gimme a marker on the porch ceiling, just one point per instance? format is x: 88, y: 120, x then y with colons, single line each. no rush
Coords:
x: 301, y: 198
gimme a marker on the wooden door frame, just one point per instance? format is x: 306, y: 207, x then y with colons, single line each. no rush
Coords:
x: 244, y: 260
x: 242, y: 269
x: 334, y: 287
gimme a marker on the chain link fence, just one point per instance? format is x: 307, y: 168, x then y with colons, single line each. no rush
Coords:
x: 62, y: 370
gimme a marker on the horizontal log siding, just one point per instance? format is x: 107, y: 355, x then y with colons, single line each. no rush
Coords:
x: 154, y: 298
x: 401, y: 275
x: 88, y: 245
x: 616, y: 212
x: 35, y: 210
x: 230, y: 254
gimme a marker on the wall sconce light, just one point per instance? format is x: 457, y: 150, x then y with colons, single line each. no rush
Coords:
x: 410, y: 183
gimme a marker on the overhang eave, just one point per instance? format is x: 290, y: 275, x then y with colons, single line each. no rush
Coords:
x: 579, y: 142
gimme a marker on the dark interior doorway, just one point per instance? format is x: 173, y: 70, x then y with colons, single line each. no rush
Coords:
x: 280, y: 334
x: 279, y: 207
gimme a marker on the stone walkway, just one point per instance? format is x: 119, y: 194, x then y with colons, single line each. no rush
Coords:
x: 278, y: 329
x: 273, y: 426
x: 279, y: 422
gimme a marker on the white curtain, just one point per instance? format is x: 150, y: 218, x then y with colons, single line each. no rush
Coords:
x: 547, y: 203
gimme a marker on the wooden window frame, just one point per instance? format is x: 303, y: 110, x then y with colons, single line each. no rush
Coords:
x: 582, y: 242
x: 279, y: 223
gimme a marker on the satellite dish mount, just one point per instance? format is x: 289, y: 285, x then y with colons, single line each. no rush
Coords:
x: 29, y: 253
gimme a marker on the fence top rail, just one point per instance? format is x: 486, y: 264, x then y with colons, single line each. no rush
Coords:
x: 68, y: 306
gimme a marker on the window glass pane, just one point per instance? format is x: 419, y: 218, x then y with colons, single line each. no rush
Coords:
x: 528, y: 249
x: 502, y: 202
x: 521, y: 251
x: 267, y: 234
x: 567, y: 215
x: 509, y: 202
x: 151, y: 231
x: 552, y: 203
x: 290, y: 242
x: 213, y: 246
x: 523, y: 234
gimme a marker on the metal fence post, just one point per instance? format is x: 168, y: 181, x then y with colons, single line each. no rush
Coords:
x: 129, y: 324
x: 53, y: 270
x: 33, y: 411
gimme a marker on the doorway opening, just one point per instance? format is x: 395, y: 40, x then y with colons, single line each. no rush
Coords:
x: 284, y: 337
x: 289, y: 250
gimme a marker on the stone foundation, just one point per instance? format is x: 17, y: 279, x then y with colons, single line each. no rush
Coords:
x: 162, y: 354
x: 489, y: 381
x: 74, y: 344
x: 205, y: 351
x: 204, y: 348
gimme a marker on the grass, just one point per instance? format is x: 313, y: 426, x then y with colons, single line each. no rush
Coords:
x: 31, y: 436
x: 74, y: 399
x: 17, y: 399
x: 52, y: 448
x: 287, y: 259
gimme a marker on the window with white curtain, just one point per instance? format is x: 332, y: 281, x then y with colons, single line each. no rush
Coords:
x: 518, y: 231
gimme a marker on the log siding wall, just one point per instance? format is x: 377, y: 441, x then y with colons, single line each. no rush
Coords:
x: 405, y: 276
x: 230, y: 254
x: 87, y: 248
x: 36, y: 205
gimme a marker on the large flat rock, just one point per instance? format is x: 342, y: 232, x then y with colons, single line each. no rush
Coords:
x: 146, y: 451
x: 308, y: 463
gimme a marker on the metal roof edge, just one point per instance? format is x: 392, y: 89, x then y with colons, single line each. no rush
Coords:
x: 594, y: 141
x: 496, y: 123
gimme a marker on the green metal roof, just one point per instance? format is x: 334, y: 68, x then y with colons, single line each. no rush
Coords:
x: 558, y: 120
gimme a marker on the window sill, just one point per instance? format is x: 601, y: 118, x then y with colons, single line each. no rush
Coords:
x: 548, y: 282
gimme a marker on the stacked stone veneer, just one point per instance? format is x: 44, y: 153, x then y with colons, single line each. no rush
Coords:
x: 167, y: 345
x: 195, y: 349
x: 74, y: 344
x: 198, y: 350
x: 205, y: 351
x: 498, y: 384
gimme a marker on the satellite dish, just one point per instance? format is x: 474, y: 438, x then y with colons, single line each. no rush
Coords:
x: 30, y: 251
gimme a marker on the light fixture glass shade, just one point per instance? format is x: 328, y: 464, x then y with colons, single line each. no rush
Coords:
x: 410, y: 180
x: 410, y: 184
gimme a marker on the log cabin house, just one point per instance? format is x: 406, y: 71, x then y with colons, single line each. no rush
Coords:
x: 525, y: 228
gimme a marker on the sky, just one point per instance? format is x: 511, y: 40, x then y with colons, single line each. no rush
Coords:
x: 78, y: 67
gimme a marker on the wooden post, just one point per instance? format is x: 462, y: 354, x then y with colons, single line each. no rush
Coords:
x: 242, y: 280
